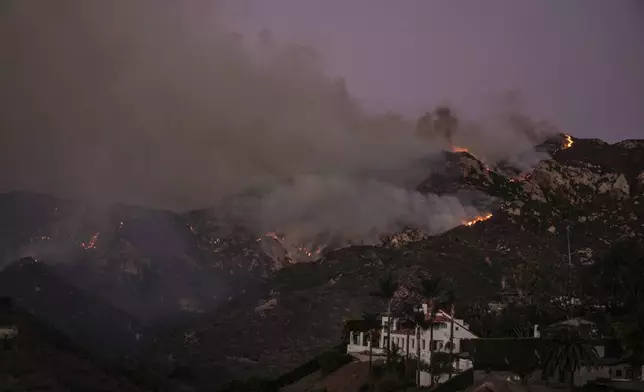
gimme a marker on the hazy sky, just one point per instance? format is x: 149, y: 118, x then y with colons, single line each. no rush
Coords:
x: 154, y: 102
x: 579, y: 63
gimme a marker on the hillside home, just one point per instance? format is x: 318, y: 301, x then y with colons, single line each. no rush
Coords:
x: 359, y: 346
x: 8, y: 331
x: 503, y: 355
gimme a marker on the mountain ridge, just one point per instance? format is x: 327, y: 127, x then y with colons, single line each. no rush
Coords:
x: 306, y: 303
x: 271, y: 319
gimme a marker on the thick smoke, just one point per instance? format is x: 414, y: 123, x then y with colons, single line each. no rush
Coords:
x: 349, y: 209
x: 155, y: 103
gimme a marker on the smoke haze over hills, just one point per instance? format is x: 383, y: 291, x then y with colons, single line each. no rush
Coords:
x: 156, y: 103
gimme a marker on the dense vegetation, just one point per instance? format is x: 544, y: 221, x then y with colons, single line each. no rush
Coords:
x: 609, y: 293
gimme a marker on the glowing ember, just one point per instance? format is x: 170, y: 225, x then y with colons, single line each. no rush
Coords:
x: 567, y: 142
x: 310, y: 253
x: 291, y: 254
x: 460, y: 149
x: 522, y: 177
x: 272, y: 235
x: 91, y: 244
x: 478, y: 219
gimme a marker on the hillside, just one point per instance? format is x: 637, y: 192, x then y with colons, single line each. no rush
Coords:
x: 150, y: 263
x: 240, y: 312
x: 91, y: 323
x: 591, y: 186
x: 39, y: 358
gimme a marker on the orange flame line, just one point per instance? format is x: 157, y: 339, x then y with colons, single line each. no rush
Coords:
x: 92, y: 242
x: 477, y: 220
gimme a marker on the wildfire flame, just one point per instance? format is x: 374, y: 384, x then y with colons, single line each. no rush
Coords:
x: 477, y: 220
x: 91, y: 244
x: 306, y: 251
x: 460, y: 149
x: 272, y: 235
x: 567, y: 142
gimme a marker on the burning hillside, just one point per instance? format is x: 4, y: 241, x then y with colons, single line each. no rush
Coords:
x: 145, y: 255
x: 308, y: 224
x: 586, y: 179
x: 478, y: 219
x: 91, y: 244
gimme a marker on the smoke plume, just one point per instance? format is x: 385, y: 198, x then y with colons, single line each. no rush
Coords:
x: 156, y: 103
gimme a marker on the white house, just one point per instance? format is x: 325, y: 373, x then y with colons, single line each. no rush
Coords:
x: 359, y: 346
x: 608, y: 365
x: 8, y: 332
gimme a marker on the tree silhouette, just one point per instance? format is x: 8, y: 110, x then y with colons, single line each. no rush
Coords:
x: 618, y: 276
x: 448, y: 305
x: 371, y: 324
x: 407, y: 322
x: 421, y: 323
x: 566, y: 353
x: 387, y: 288
x: 430, y: 290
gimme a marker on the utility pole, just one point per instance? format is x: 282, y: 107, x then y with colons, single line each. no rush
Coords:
x: 569, y: 253
x: 571, y: 290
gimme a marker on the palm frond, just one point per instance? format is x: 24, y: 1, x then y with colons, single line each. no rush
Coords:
x: 429, y: 288
x: 387, y: 287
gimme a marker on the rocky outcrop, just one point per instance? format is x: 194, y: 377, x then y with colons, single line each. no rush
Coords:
x: 578, y: 184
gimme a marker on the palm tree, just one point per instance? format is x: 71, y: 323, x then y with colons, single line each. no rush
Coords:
x: 387, y: 288
x: 429, y: 288
x: 371, y: 324
x: 448, y: 304
x: 566, y: 353
x: 421, y: 323
x: 407, y: 321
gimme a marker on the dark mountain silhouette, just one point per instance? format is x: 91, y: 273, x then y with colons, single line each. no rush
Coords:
x: 90, y: 322
x: 40, y: 358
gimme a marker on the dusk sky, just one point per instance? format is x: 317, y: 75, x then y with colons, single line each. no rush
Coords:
x: 128, y: 100
x: 577, y: 63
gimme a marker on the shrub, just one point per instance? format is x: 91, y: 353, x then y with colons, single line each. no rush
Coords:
x: 253, y: 384
x: 331, y: 361
x: 378, y: 371
x: 389, y: 383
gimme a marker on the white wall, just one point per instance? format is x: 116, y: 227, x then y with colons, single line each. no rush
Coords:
x: 583, y: 376
x: 7, y: 332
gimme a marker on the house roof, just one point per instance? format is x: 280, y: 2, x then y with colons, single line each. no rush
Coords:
x: 441, y: 317
x: 506, y: 353
x: 499, y: 354
x: 575, y: 322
